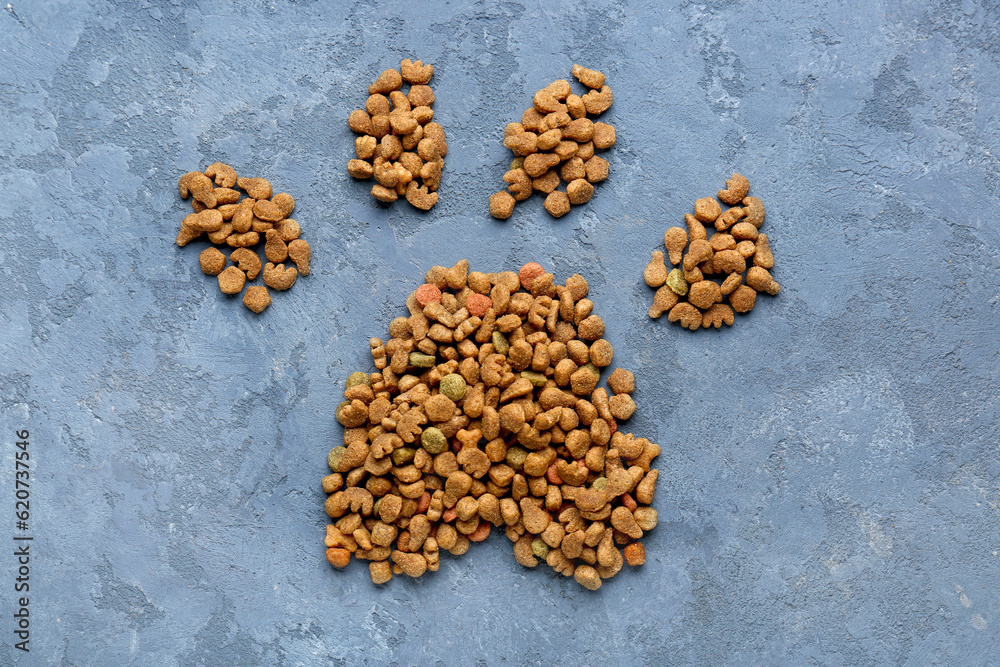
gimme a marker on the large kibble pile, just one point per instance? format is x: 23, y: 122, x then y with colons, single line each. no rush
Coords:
x: 241, y: 224
x: 685, y: 293
x: 555, y: 142
x: 484, y: 411
x: 400, y: 145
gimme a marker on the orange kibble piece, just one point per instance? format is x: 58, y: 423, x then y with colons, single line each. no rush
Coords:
x: 426, y: 294
x: 528, y: 273
x: 478, y: 304
x: 635, y: 554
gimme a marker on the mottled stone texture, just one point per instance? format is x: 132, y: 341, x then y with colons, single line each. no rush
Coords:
x: 831, y: 487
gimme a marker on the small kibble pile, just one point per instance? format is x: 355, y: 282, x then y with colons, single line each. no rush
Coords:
x: 684, y: 292
x: 241, y: 224
x: 483, y: 412
x: 400, y: 144
x: 555, y: 142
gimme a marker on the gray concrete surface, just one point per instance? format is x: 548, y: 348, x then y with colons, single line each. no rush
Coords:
x: 831, y: 487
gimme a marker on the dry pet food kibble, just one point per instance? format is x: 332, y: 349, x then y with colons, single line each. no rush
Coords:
x: 229, y: 221
x: 484, y: 412
x: 686, y: 293
x: 555, y: 143
x: 399, y: 144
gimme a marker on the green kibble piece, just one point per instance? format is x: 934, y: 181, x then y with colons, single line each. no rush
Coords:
x: 676, y: 282
x: 354, y: 379
x: 601, y: 483
x: 517, y: 163
x: 516, y: 456
x: 421, y: 360
x: 334, y: 457
x: 402, y: 456
x: 433, y: 440
x: 593, y: 369
x: 453, y: 386
x: 539, y: 548
x: 375, y: 506
x: 500, y: 343
x: 536, y: 379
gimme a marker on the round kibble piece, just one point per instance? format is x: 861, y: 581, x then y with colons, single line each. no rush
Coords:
x: 433, y: 440
x: 453, y: 386
x: 528, y: 273
x: 231, y: 280
x: 557, y: 204
x: 427, y: 294
x: 502, y: 205
x: 257, y: 298
x: 212, y: 261
x: 478, y: 304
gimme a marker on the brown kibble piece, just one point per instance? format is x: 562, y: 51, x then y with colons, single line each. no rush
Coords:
x: 289, y: 229
x: 742, y: 299
x: 501, y: 205
x: 257, y: 298
x: 588, y: 77
x: 278, y: 277
x: 384, y: 194
x: 689, y: 316
x: 300, y: 253
x: 380, y: 571
x: 520, y: 183
x: 736, y: 189
x: 231, y: 280
x: 359, y: 121
x: 416, y: 72
x: 547, y: 182
x: 587, y: 577
x: 744, y: 231
x: 707, y: 209
x: 716, y: 315
x: 761, y: 281
x: 247, y: 260
x: 388, y: 81
x: 664, y: 299
x: 621, y: 381
x: 729, y: 261
x: 753, y: 209
x: 419, y: 197
x: 597, y: 102
x: 604, y: 136
x: 579, y: 191
x: 246, y: 240
x: 420, y: 96
x: 256, y: 188
x: 597, y: 169
x: 703, y: 294
x: 732, y: 281
x: 696, y: 230
x: 224, y: 175
x: 557, y: 204
x: 762, y: 255
x: 274, y: 248
x: 675, y: 239
x: 378, y: 105
x: 537, y: 164
x: 655, y: 273
x: 212, y: 261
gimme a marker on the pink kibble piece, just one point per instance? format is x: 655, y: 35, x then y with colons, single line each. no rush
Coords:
x: 427, y: 293
x: 528, y: 273
x: 478, y: 304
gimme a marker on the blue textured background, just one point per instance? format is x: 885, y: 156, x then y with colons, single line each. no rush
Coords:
x: 831, y: 487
